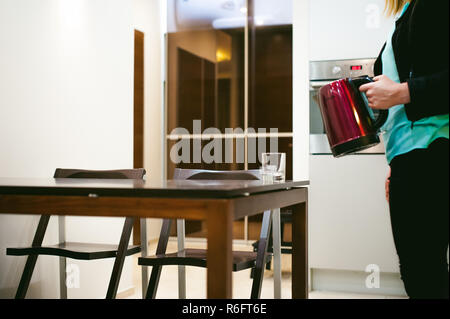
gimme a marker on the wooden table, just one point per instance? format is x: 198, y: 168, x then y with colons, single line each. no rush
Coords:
x: 217, y: 203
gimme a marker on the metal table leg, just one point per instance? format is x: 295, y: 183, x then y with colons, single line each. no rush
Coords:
x: 181, y: 269
x: 144, y: 253
x: 276, y: 233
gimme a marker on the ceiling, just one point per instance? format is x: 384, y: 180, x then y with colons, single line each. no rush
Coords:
x: 222, y: 14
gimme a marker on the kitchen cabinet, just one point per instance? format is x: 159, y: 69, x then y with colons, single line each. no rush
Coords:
x: 270, y: 91
x: 348, y: 214
x: 347, y: 29
x: 196, y: 90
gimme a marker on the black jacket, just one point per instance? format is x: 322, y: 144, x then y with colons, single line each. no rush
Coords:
x: 421, y: 50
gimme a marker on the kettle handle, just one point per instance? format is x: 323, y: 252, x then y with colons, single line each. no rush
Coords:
x: 382, y: 114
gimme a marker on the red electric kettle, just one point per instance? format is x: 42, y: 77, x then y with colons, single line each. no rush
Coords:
x: 349, y: 122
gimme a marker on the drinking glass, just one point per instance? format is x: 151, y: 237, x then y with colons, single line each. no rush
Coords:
x: 273, y: 168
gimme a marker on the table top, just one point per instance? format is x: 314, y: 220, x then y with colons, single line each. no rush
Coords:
x: 140, y: 188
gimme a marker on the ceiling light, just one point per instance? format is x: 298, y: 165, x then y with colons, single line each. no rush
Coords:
x: 229, y: 5
x: 222, y: 55
x: 229, y: 23
x: 259, y: 21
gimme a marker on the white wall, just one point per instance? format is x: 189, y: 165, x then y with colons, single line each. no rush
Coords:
x: 66, y: 100
x: 148, y: 17
x: 300, y: 114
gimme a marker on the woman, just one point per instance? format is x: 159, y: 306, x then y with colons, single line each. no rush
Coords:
x: 413, y: 84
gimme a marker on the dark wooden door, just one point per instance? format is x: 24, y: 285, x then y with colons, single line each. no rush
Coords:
x: 190, y: 89
x: 138, y: 118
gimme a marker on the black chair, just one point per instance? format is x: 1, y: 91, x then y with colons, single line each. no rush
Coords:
x: 286, y: 246
x: 197, y: 257
x: 80, y: 251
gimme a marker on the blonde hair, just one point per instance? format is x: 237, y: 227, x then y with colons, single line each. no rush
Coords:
x: 394, y: 6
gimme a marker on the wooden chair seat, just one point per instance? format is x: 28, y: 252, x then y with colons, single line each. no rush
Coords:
x: 197, y: 258
x: 80, y: 251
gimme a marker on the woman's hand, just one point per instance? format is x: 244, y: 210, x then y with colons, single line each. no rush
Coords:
x: 385, y: 93
x: 387, y: 184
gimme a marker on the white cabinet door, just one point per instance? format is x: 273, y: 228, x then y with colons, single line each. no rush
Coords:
x: 347, y: 29
x: 348, y: 215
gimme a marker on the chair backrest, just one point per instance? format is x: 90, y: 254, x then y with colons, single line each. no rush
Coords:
x: 197, y: 174
x: 113, y: 174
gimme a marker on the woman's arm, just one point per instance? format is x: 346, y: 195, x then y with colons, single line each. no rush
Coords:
x: 429, y: 96
x: 429, y: 49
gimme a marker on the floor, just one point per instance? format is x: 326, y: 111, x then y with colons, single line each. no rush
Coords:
x: 196, y: 281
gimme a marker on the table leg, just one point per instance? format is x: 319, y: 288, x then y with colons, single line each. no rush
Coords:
x: 144, y: 253
x: 276, y: 245
x: 181, y: 269
x: 62, y: 260
x: 220, y: 255
x: 300, y: 287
